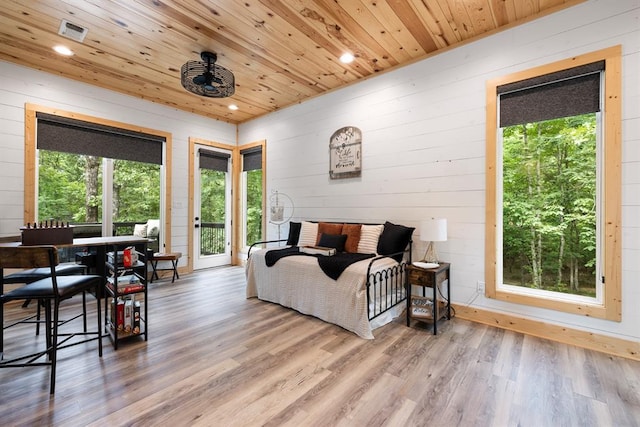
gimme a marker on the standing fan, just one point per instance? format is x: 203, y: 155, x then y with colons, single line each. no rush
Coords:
x: 280, y: 209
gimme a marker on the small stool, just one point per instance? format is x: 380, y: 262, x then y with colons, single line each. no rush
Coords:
x: 160, y: 256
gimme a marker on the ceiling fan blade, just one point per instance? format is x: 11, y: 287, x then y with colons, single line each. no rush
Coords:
x: 216, y: 80
x: 200, y: 80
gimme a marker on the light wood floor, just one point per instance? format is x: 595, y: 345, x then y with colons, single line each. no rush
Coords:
x: 215, y: 358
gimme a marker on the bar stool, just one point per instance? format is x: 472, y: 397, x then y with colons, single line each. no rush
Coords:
x: 49, y: 292
x: 33, y: 275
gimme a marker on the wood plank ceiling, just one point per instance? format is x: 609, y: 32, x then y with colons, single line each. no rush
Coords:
x: 280, y: 51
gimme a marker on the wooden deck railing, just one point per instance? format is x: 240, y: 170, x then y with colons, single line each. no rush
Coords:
x: 212, y: 234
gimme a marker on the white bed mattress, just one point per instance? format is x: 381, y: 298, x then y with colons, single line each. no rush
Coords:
x: 299, y: 283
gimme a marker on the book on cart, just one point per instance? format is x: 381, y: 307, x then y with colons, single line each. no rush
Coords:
x: 128, y: 315
x: 136, y: 317
x: 126, y: 284
x: 320, y: 250
x: 119, y: 314
x: 126, y: 258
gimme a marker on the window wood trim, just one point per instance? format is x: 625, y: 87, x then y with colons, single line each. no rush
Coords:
x: 611, y: 306
x: 30, y: 166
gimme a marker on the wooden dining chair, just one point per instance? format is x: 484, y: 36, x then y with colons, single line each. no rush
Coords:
x: 49, y: 291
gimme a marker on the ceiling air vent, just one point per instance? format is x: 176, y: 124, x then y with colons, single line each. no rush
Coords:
x: 72, y: 31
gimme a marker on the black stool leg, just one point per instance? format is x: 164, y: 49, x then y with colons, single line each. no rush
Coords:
x: 84, y: 310
x: 99, y: 315
x: 154, y: 274
x: 54, y: 343
x: 175, y: 270
x: 42, y: 303
x: 38, y: 318
x: 1, y: 330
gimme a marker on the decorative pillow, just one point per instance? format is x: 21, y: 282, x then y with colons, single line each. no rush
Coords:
x: 394, y: 238
x: 333, y: 241
x: 294, y: 233
x: 353, y: 236
x: 140, y: 230
x: 153, y: 227
x: 328, y: 228
x: 369, y: 235
x: 308, y: 234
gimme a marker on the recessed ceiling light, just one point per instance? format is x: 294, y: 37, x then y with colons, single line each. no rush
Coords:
x: 347, y: 58
x: 63, y: 50
x: 233, y: 107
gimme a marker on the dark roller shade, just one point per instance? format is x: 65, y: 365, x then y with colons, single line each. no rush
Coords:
x: 251, y: 159
x: 564, y: 93
x: 214, y: 160
x: 67, y: 135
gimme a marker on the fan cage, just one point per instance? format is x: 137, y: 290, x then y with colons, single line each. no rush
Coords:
x: 193, y: 69
x: 280, y: 208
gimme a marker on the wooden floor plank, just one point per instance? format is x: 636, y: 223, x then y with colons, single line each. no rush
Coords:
x: 215, y: 357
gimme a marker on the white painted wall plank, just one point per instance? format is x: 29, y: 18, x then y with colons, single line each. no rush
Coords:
x: 423, y: 145
x: 19, y: 85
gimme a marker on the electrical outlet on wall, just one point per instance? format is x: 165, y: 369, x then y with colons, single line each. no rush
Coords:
x: 480, y: 287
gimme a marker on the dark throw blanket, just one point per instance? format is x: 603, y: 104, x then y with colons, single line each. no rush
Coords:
x: 332, y: 266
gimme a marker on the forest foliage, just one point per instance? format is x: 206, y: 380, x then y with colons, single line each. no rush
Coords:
x: 212, y: 205
x: 70, y: 190
x: 549, y: 205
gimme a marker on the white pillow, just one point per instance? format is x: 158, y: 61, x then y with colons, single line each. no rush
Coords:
x: 308, y: 234
x: 140, y: 230
x: 153, y: 227
x: 369, y: 236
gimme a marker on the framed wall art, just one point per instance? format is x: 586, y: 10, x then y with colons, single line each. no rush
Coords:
x: 345, y: 153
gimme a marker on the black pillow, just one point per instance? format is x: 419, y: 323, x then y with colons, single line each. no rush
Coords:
x: 294, y: 233
x: 394, y: 238
x: 336, y: 241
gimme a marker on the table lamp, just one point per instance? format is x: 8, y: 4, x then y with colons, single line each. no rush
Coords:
x: 433, y: 230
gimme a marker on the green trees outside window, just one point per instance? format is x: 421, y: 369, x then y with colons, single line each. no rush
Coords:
x: 70, y: 189
x: 213, y: 211
x: 549, y: 205
x: 254, y: 206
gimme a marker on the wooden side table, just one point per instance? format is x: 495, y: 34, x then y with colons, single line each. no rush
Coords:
x: 162, y: 256
x: 428, y: 308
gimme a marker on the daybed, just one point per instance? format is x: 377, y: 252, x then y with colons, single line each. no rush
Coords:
x: 359, y: 288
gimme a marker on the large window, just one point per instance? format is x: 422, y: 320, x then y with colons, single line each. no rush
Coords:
x: 70, y: 189
x: 93, y: 173
x: 553, y: 186
x: 252, y: 191
x: 550, y: 215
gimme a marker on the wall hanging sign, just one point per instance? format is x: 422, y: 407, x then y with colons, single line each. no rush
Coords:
x: 345, y: 153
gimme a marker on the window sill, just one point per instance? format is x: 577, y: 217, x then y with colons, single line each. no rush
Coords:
x: 574, y: 304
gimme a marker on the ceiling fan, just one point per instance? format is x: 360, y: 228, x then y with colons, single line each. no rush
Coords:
x: 205, y: 78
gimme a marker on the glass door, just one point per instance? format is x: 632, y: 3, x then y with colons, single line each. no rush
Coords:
x: 212, y: 207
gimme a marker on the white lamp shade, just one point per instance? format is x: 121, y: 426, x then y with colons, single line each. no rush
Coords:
x: 433, y: 230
